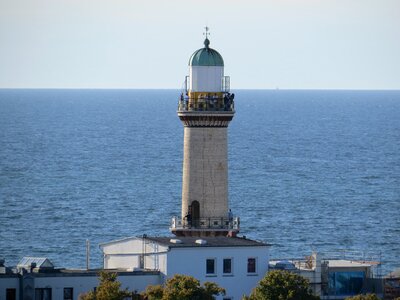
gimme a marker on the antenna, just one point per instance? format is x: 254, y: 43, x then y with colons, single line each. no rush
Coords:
x: 87, y: 254
x: 206, y: 33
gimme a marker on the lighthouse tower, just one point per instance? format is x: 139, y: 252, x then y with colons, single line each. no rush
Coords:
x: 205, y: 108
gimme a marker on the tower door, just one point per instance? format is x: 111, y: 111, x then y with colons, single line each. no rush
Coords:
x: 195, y: 213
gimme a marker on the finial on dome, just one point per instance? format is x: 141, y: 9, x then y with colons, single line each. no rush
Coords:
x: 206, y: 41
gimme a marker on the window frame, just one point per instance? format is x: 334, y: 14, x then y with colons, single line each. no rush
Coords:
x: 214, y: 267
x: 231, y: 266
x: 255, y: 266
x: 345, y: 283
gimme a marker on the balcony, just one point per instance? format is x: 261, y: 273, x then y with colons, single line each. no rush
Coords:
x: 213, y: 224
x: 207, y: 104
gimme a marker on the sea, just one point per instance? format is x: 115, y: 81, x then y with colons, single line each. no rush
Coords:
x: 309, y: 170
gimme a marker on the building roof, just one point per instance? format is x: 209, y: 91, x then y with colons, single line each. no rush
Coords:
x: 394, y: 274
x: 91, y: 272
x: 206, y: 56
x: 220, y: 241
x: 40, y: 262
x: 80, y: 273
x: 342, y: 263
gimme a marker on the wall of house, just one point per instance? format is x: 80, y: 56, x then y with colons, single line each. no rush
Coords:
x: 8, y: 282
x: 119, y: 261
x: 192, y: 261
x: 83, y: 284
x: 126, y: 254
x: 125, y: 246
x: 314, y: 277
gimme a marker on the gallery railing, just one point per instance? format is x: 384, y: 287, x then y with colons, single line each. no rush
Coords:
x: 207, y: 104
x: 206, y: 223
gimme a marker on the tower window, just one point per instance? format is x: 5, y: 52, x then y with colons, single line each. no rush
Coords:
x: 227, y: 266
x: 251, y: 265
x: 210, y: 266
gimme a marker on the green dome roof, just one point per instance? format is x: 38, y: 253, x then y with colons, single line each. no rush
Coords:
x: 206, y: 57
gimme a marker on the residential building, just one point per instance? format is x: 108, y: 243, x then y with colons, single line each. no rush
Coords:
x: 226, y: 261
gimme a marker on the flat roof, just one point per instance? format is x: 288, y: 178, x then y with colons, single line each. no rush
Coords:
x: 343, y: 263
x: 394, y: 274
x: 83, y: 273
x: 301, y: 264
x: 220, y: 241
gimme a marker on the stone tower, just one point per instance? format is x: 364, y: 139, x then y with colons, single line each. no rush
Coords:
x: 205, y: 108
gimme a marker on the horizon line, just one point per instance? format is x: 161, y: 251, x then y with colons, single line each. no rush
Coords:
x: 178, y: 89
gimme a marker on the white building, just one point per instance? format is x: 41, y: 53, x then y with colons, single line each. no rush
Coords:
x: 336, y: 278
x: 236, y: 264
x: 39, y: 280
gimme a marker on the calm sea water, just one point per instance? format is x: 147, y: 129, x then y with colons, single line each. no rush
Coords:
x: 309, y: 170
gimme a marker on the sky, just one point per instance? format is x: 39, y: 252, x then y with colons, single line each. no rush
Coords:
x: 266, y: 44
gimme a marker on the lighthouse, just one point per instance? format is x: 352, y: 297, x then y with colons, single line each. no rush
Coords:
x: 205, y: 109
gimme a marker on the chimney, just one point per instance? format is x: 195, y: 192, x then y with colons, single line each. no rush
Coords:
x: 33, y: 265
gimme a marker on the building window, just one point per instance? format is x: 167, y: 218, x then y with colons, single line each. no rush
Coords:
x: 227, y: 266
x: 251, y: 265
x: 11, y: 294
x: 68, y: 293
x: 43, y: 294
x: 210, y: 266
x: 345, y: 283
x: 141, y: 261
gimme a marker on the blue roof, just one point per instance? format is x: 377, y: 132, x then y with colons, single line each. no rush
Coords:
x: 206, y: 56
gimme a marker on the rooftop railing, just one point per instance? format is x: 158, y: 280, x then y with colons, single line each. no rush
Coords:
x: 206, y: 223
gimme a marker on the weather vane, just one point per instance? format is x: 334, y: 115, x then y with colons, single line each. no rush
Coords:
x: 206, y: 33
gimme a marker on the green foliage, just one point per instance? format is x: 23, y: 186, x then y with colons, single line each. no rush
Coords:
x: 364, y: 297
x: 282, y: 285
x: 182, y: 287
x: 108, y: 289
x: 153, y: 292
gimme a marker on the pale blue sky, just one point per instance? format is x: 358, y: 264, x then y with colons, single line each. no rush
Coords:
x: 290, y: 44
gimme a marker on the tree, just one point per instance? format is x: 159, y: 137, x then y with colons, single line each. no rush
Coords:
x: 282, y: 285
x: 364, y: 297
x: 153, y: 292
x: 182, y: 287
x: 108, y: 289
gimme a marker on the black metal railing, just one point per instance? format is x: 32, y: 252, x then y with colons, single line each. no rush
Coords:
x: 211, y: 103
x: 206, y: 223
